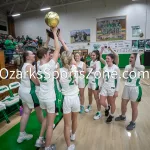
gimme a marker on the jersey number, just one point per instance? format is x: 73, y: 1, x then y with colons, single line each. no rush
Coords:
x: 72, y: 81
x: 43, y: 78
x: 107, y: 78
x: 129, y: 79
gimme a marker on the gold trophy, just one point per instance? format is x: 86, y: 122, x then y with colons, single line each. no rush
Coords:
x: 52, y: 20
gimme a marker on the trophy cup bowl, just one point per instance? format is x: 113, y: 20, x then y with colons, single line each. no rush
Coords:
x: 52, y: 20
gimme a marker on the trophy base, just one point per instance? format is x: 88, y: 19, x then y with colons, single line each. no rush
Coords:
x: 50, y: 33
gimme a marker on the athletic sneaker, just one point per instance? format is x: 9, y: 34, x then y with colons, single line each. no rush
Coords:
x: 40, y: 143
x: 107, y: 111
x: 24, y: 136
x: 71, y: 147
x: 131, y: 126
x: 109, y: 119
x: 97, y: 116
x: 73, y: 137
x: 88, y: 109
x: 81, y: 109
x: 52, y: 147
x: 120, y: 118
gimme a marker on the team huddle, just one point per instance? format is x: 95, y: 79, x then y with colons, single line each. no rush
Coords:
x: 38, y: 91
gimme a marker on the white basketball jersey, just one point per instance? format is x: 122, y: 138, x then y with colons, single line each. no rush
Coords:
x: 25, y: 80
x: 133, y: 77
x: 46, y: 77
x: 69, y: 84
x: 110, y: 79
x: 93, y: 74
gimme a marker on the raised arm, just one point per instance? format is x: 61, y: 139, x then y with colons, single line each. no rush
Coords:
x: 56, y: 44
x: 101, y: 58
x: 116, y: 56
x: 73, y: 60
x: 62, y: 42
x: 47, y: 41
x: 138, y: 65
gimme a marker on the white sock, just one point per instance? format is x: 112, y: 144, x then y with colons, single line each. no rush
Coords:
x: 107, y: 107
x: 46, y: 148
x: 69, y: 146
x: 41, y: 138
x: 112, y: 114
x: 22, y: 133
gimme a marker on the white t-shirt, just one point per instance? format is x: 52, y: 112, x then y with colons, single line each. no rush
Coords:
x: 69, y: 85
x: 46, y: 77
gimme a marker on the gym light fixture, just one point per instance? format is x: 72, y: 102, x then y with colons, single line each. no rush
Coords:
x: 43, y: 9
x: 15, y: 15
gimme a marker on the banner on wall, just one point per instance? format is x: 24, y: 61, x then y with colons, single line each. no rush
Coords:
x: 141, y: 45
x: 77, y: 36
x: 111, y: 28
x: 135, y: 45
x: 147, y: 45
x: 120, y: 47
x: 80, y: 46
x: 136, y: 30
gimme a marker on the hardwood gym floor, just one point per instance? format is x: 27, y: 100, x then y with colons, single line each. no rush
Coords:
x: 97, y: 135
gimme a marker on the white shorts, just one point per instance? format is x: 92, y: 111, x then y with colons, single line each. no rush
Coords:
x: 132, y: 93
x: 81, y: 83
x: 49, y: 106
x: 107, y: 91
x: 71, y: 104
x: 92, y: 85
x: 31, y: 100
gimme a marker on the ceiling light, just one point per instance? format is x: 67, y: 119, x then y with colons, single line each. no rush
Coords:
x: 14, y: 15
x: 43, y: 9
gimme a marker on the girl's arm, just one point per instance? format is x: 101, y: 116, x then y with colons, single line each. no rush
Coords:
x: 30, y: 70
x: 118, y: 79
x: 138, y: 65
x: 101, y: 58
x: 62, y: 42
x: 56, y: 44
x: 116, y: 56
x: 47, y: 42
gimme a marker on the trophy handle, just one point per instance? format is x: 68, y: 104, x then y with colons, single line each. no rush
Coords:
x: 50, y: 33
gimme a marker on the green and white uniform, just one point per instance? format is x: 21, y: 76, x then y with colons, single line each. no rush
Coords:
x: 81, y: 78
x: 70, y: 90
x: 27, y: 89
x: 111, y: 80
x: 94, y: 75
x: 47, y: 95
x: 132, y: 89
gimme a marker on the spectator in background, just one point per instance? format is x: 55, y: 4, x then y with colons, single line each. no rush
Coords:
x: 10, y: 47
x: 17, y: 55
x: 88, y: 59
